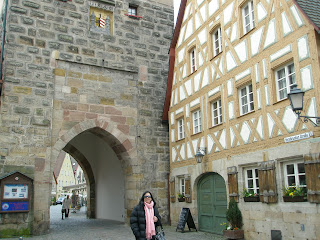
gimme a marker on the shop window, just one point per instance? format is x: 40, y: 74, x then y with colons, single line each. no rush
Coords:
x: 252, y: 180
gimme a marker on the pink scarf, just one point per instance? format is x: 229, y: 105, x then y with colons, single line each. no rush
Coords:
x: 150, y: 230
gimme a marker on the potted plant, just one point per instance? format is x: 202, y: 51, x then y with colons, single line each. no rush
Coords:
x: 294, y: 194
x: 234, y: 218
x: 181, y: 197
x: 250, y: 196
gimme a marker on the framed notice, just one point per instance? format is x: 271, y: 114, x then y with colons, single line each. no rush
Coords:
x: 15, y: 191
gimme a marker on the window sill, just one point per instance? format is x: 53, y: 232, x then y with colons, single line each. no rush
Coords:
x: 243, y: 35
x: 192, y: 73
x: 133, y: 16
x: 242, y: 115
x: 216, y: 56
x: 217, y: 125
x: 194, y: 134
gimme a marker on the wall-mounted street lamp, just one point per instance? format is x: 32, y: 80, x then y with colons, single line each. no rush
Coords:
x: 200, y: 154
x: 296, y: 100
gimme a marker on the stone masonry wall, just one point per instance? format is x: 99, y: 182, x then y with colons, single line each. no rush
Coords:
x: 58, y: 73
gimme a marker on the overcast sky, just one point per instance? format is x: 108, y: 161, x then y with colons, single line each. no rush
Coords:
x: 176, y: 9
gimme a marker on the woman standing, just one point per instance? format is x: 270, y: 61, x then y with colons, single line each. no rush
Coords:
x: 144, y: 217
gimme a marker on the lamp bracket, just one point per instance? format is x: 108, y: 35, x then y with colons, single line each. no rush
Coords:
x: 308, y: 118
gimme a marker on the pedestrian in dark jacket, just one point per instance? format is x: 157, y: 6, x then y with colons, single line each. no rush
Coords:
x: 144, y: 218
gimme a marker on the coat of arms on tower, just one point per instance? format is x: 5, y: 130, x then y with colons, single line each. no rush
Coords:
x: 101, y: 18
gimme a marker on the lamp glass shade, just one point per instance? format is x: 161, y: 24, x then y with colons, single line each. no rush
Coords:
x: 296, y: 99
x: 199, y: 157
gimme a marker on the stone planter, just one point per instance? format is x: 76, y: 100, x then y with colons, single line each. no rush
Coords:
x: 233, y: 234
x: 181, y: 199
x: 293, y: 199
x: 251, y: 199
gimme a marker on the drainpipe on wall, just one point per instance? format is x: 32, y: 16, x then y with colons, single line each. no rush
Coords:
x: 2, y: 43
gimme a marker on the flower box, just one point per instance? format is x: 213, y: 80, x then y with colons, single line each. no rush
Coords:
x: 293, y: 199
x: 181, y: 199
x: 233, y: 234
x: 251, y: 199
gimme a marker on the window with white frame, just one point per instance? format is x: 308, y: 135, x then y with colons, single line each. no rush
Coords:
x: 182, y: 188
x: 285, y: 79
x: 132, y: 10
x: 246, y: 99
x: 196, y: 121
x: 248, y: 17
x: 295, y: 174
x: 252, y: 180
x: 217, y: 43
x: 216, y: 112
x: 180, y: 129
x: 193, y: 66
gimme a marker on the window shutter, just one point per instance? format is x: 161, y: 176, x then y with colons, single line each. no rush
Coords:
x: 172, y: 190
x: 187, y: 194
x: 233, y: 183
x: 312, y: 168
x: 267, y: 182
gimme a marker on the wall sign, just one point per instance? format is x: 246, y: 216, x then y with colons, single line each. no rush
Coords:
x: 298, y: 137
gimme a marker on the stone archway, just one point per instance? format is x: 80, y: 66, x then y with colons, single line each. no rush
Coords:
x: 120, y: 144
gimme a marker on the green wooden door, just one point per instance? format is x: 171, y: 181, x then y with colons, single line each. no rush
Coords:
x: 212, y: 203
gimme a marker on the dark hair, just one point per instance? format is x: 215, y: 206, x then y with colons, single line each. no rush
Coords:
x: 142, y: 199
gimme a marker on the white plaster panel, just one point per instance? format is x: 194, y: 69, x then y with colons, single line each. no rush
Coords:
x: 281, y: 53
x: 180, y: 110
x: 245, y: 132
x: 312, y: 110
x: 289, y: 119
x: 176, y: 97
x: 228, y: 31
x: 184, y: 74
x: 200, y: 57
x: 172, y: 118
x: 173, y: 135
x: 187, y: 11
x: 195, y: 145
x: 174, y: 79
x: 231, y: 110
x: 190, y: 29
x: 266, y: 90
x: 188, y: 128
x: 286, y: 27
x: 270, y: 125
x: 231, y: 63
x: 260, y: 128
x: 230, y: 87
x: 256, y: 70
x: 203, y: 11
x: 223, y: 139
x: 259, y: 98
x: 271, y: 36
x: 195, y: 102
x: 205, y: 78
x: 181, y: 55
x: 203, y: 36
x: 172, y: 97
x: 189, y: 151
x: 264, y: 68
x: 255, y: 39
x: 306, y: 78
x: 197, y: 79
x: 241, y: 50
x: 202, y: 143
x: 182, y: 93
x: 214, y: 91
x: 210, y: 143
x: 183, y: 152
x: 199, y: 2
x: 188, y: 85
x: 303, y: 48
x: 296, y: 15
x: 228, y: 13
x: 261, y: 12
x: 232, y: 136
x: 221, y: 65
x: 181, y: 36
x: 197, y: 20
x: 234, y: 34
x: 243, y: 74
x: 173, y: 154
x: 213, y: 72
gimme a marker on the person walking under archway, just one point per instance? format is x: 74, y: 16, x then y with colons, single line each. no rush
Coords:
x: 66, y: 206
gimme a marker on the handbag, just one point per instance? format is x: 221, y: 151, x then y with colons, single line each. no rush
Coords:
x: 160, y: 233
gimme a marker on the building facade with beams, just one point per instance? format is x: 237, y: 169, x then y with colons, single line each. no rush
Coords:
x: 232, y: 64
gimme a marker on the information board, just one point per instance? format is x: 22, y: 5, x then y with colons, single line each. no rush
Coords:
x: 185, y: 217
x: 15, y: 191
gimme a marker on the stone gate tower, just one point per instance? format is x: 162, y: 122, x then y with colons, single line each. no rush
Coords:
x: 86, y: 77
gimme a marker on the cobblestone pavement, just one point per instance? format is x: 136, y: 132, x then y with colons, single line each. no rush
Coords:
x: 78, y: 227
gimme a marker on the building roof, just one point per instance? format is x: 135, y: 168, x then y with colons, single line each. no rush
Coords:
x: 311, y: 9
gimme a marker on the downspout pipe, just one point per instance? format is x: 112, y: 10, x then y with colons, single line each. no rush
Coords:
x: 2, y: 42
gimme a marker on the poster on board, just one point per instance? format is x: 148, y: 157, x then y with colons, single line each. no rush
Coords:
x: 15, y: 191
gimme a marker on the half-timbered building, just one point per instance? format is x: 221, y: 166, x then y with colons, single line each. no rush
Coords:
x: 232, y: 65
